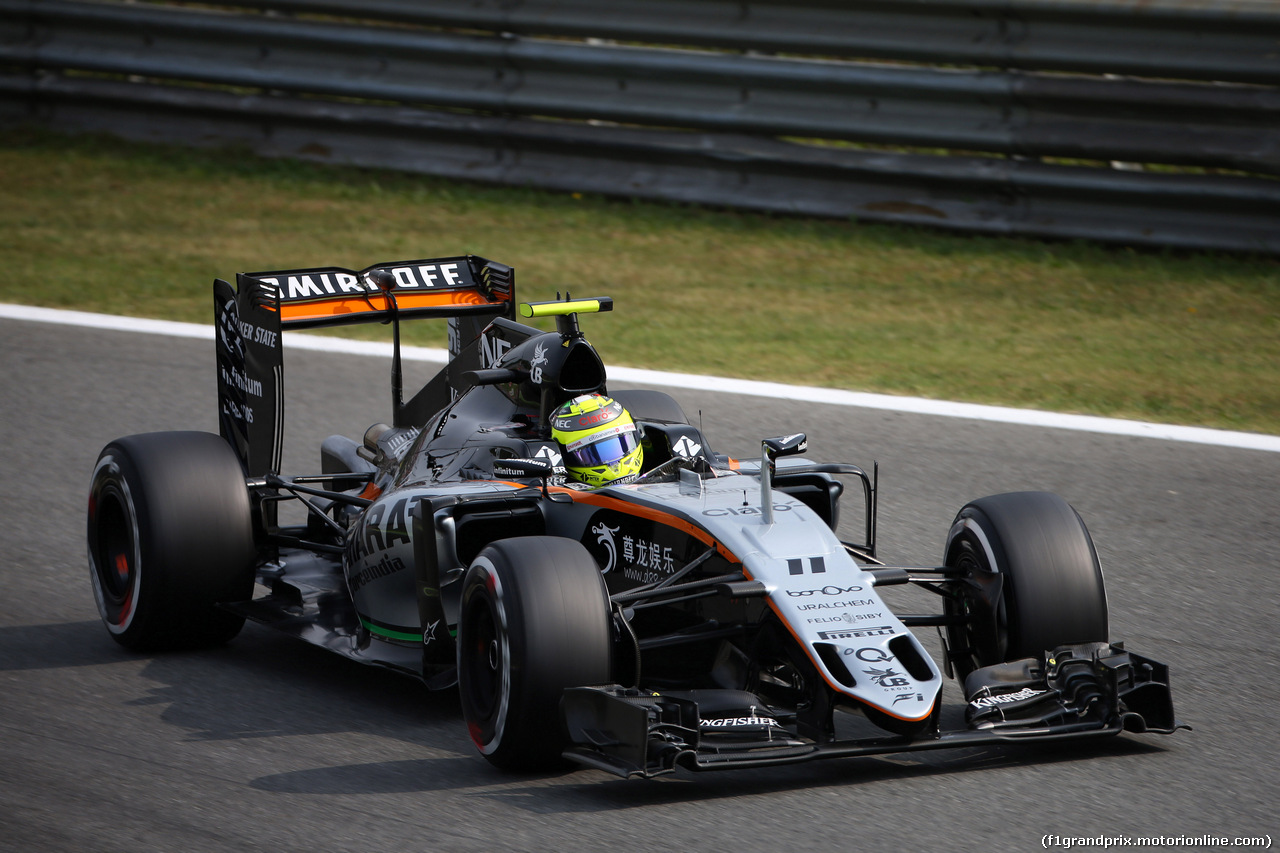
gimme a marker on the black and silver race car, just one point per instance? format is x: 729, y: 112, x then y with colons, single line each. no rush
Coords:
x: 704, y: 615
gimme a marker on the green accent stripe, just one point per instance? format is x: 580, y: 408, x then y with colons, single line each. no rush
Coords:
x: 390, y: 634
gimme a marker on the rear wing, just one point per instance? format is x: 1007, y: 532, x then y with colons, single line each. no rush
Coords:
x: 331, y: 296
x: 467, y: 290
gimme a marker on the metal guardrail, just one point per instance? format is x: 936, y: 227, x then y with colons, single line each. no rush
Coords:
x: 1233, y: 40
x: 342, y: 91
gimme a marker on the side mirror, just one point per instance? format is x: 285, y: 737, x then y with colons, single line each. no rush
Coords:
x: 523, y: 468
x: 540, y: 468
x: 771, y: 449
x: 786, y: 445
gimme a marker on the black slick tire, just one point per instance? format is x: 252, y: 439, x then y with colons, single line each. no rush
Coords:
x: 170, y: 535
x: 534, y: 620
x: 1032, y: 581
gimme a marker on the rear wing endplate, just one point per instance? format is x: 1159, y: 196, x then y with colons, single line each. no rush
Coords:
x: 468, y: 290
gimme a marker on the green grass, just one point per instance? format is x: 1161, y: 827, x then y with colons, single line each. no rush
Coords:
x: 1191, y: 338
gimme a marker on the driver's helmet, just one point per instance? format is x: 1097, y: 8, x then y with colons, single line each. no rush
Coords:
x: 599, y: 440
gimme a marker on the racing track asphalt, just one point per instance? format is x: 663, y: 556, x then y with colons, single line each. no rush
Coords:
x: 271, y: 745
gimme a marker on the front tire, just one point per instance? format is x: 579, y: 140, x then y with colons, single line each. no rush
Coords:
x: 1032, y: 580
x: 534, y: 620
x: 170, y: 535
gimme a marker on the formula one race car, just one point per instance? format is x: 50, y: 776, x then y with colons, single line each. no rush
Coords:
x: 700, y: 612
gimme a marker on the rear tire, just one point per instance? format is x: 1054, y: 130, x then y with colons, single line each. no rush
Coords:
x: 170, y: 534
x: 534, y: 620
x: 1032, y: 580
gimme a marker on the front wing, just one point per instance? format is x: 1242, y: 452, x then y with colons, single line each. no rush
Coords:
x: 1080, y: 692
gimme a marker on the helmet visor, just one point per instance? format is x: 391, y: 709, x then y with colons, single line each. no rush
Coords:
x: 606, y: 451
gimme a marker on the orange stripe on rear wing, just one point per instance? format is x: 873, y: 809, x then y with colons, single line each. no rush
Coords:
x: 332, y: 296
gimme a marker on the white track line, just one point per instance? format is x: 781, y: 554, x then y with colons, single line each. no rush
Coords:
x: 772, y: 390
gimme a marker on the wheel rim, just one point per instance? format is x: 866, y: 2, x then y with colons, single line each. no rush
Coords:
x: 975, y: 635
x: 485, y: 663
x: 113, y: 547
x: 485, y: 671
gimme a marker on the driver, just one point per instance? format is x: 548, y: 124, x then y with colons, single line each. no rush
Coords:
x: 598, y: 440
